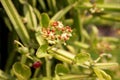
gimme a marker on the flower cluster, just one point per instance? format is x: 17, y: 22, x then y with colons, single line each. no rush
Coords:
x: 56, y: 32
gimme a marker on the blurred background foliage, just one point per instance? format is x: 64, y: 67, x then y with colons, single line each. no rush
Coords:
x: 95, y: 24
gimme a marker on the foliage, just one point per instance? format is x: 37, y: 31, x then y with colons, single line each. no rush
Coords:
x: 50, y: 50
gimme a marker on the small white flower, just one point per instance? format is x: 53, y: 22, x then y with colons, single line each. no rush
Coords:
x: 51, y: 42
x: 60, y: 25
x: 51, y: 34
x: 64, y: 36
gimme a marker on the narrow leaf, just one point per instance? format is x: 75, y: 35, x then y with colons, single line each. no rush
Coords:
x: 101, y: 74
x: 30, y: 16
x: 42, y: 4
x: 16, y: 21
x: 63, y: 53
x: 82, y: 45
x: 62, y: 12
x: 98, y: 73
x: 105, y: 65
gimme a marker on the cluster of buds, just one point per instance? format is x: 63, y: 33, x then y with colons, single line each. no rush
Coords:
x: 56, y: 32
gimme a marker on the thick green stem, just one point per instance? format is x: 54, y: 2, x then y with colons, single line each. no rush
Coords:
x: 23, y: 59
x: 48, y: 67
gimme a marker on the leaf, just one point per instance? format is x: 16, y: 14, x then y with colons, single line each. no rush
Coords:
x: 110, y: 18
x: 39, y: 38
x: 78, y: 24
x: 30, y: 16
x: 63, y: 53
x: 42, y: 51
x: 42, y: 4
x: 82, y: 58
x: 38, y: 15
x: 45, y: 20
x: 60, y: 57
x: 16, y: 21
x: 101, y: 74
x: 98, y: 73
x: 21, y: 71
x: 109, y: 7
x: 62, y: 12
x: 99, y: 1
x: 105, y: 65
x: 41, y: 78
x: 105, y: 75
x: 82, y: 45
x: 61, y: 69
x: 4, y: 76
x: 85, y: 34
x: 52, y: 5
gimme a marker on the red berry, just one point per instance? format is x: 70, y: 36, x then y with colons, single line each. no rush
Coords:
x: 36, y: 64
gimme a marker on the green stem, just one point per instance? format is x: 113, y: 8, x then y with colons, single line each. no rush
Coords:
x: 23, y: 59
x: 36, y: 72
x: 48, y: 67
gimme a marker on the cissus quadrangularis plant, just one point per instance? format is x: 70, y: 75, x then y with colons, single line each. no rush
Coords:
x: 42, y: 53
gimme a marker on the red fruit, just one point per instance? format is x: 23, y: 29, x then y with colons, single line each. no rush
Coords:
x: 36, y: 64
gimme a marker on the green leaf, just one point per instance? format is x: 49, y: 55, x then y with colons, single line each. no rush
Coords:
x: 111, y: 18
x: 52, y: 5
x: 101, y: 74
x: 61, y: 69
x: 16, y: 20
x: 38, y: 15
x: 62, y: 12
x: 105, y: 75
x: 21, y: 71
x: 82, y: 58
x: 42, y: 51
x: 98, y: 73
x: 42, y: 78
x: 60, y: 57
x: 82, y: 45
x: 105, y: 65
x: 63, y: 53
x: 4, y: 76
x: 109, y: 7
x: 78, y: 24
x: 39, y: 38
x: 45, y: 20
x: 100, y: 1
x: 8, y: 23
x: 33, y: 2
x: 42, y: 4
x: 30, y: 16
x: 85, y: 34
